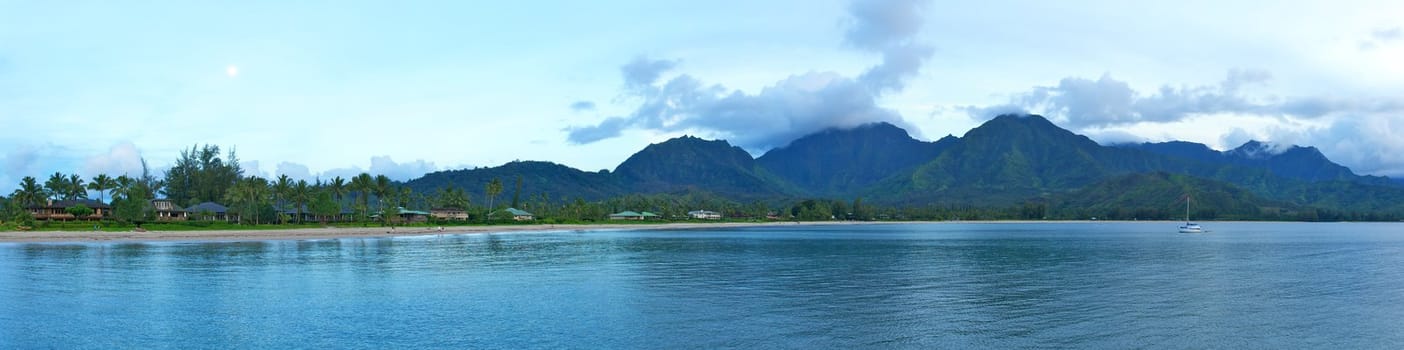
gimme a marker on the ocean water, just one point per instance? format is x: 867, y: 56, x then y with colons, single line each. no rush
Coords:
x: 1003, y: 285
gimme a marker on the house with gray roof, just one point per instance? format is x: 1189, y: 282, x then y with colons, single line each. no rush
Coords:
x: 211, y: 211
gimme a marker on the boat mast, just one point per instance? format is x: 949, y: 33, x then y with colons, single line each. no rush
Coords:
x: 1187, y: 203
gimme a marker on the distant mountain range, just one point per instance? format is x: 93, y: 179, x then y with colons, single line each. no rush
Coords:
x: 1010, y: 160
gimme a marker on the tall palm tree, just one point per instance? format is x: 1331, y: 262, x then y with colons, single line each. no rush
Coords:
x: 122, y: 187
x: 247, y: 194
x: 101, y: 183
x: 382, y: 189
x: 337, y: 187
x: 281, y: 190
x: 57, y: 186
x: 30, y: 194
x: 493, y: 189
x: 76, y: 187
x: 301, y: 194
x: 362, y: 184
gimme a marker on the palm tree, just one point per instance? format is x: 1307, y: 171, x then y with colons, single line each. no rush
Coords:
x: 301, y: 194
x: 30, y: 194
x: 76, y: 188
x: 101, y: 184
x: 122, y: 186
x: 247, y: 194
x: 362, y: 184
x: 337, y: 187
x: 281, y: 190
x: 57, y: 186
x: 493, y: 189
x: 382, y: 188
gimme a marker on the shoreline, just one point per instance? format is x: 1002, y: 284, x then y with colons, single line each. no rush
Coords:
x: 360, y: 232
x: 382, y: 232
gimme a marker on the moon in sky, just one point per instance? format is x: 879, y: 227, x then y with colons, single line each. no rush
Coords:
x: 232, y: 71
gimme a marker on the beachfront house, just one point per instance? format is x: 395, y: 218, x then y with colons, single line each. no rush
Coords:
x: 167, y: 210
x: 632, y: 215
x: 58, y: 210
x: 290, y: 210
x: 413, y: 216
x: 704, y: 215
x: 296, y: 214
x: 211, y: 211
x: 448, y: 214
x: 407, y: 216
x: 516, y: 214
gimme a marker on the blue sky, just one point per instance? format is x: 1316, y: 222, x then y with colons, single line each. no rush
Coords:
x: 330, y: 88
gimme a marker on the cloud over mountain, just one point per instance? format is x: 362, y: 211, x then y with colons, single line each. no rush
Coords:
x: 798, y: 105
x: 1107, y: 102
x: 1360, y: 130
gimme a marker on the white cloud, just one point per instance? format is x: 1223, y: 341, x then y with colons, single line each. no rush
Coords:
x: 38, y: 161
x: 383, y: 165
x: 251, y: 168
x: 294, y: 171
x: 379, y: 165
x: 1085, y: 103
x: 21, y: 161
x: 1239, y: 136
x: 122, y: 158
x: 790, y: 108
x: 1360, y: 132
x: 1366, y: 143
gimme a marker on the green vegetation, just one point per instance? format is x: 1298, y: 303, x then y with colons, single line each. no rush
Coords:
x: 1010, y: 168
x: 79, y: 211
x: 200, y: 175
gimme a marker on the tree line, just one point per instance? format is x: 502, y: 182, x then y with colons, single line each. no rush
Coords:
x: 200, y: 175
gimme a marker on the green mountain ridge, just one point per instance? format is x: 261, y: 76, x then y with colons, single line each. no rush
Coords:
x: 1162, y: 196
x: 1011, y: 160
x: 690, y: 163
x: 839, y: 162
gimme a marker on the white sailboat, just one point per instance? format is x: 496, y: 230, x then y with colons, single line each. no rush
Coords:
x: 1189, y: 227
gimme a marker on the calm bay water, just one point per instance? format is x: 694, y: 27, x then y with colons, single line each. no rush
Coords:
x: 1083, y: 285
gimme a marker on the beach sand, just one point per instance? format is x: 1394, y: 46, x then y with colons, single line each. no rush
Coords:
x: 351, y: 232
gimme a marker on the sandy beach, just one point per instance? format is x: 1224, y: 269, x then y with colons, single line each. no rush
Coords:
x: 356, y: 232
x: 348, y: 232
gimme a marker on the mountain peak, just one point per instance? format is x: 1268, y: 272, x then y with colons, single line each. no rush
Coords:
x: 1291, y: 161
x: 1180, y: 149
x: 1022, y: 118
x: 1254, y: 149
x: 691, y: 162
x: 1026, y: 127
x: 841, y: 160
x: 1032, y: 121
x: 874, y: 129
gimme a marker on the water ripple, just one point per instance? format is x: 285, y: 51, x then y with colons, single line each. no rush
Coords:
x: 1247, y: 285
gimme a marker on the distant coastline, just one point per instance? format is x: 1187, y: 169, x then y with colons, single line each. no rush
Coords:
x: 372, y: 232
x: 366, y: 232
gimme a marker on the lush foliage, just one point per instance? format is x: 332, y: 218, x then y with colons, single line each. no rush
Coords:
x: 79, y: 211
x: 841, y: 162
x: 1012, y: 167
x: 200, y: 175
